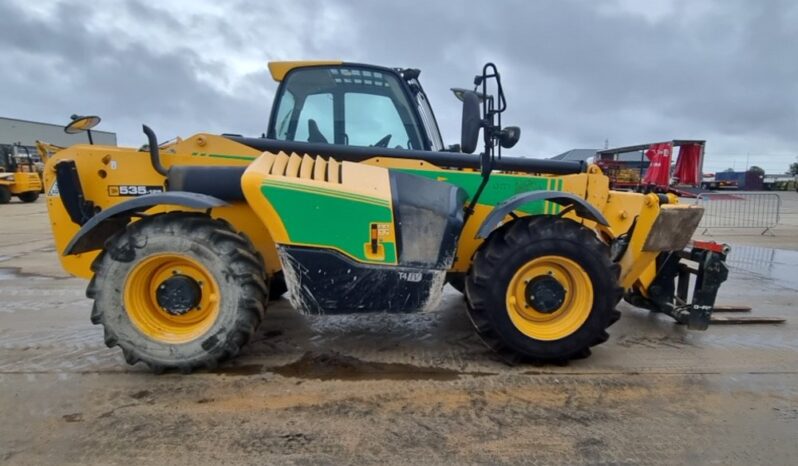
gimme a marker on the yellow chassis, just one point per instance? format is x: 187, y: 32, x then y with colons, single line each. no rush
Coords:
x: 22, y: 182
x: 104, y: 169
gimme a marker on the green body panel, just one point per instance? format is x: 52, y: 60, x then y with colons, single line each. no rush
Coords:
x: 329, y: 218
x: 499, y: 188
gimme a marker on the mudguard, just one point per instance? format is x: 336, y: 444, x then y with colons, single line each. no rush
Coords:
x: 101, y: 226
x: 582, y: 208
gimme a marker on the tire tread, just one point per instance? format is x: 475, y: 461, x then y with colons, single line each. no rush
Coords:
x: 242, y: 266
x: 547, y: 232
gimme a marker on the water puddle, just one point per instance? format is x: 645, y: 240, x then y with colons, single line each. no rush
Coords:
x: 245, y: 369
x: 335, y: 366
x: 777, y: 265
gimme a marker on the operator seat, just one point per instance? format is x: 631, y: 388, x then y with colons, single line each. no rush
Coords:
x: 314, y: 134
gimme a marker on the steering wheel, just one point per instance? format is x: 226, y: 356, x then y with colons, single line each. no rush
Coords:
x: 384, y: 141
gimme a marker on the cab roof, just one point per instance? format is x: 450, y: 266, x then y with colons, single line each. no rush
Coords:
x: 279, y: 69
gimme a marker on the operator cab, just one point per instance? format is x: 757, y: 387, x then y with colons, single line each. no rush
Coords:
x: 352, y: 105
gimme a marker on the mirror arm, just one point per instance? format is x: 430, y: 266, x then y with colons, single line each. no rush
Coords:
x: 469, y: 209
x: 491, y: 125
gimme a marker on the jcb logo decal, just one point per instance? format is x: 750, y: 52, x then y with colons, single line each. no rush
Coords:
x: 133, y: 190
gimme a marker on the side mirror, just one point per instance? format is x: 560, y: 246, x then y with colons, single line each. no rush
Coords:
x: 510, y: 136
x: 81, y: 123
x: 469, y: 130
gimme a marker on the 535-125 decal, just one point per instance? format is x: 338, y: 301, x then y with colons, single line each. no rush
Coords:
x: 133, y: 190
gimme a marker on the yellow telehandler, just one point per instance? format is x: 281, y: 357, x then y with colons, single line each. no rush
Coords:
x: 351, y: 203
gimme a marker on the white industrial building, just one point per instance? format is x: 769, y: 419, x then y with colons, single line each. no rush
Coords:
x: 26, y: 133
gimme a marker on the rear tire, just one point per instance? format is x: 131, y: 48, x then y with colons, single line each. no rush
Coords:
x: 5, y: 195
x: 542, y: 289
x: 228, y: 292
x: 29, y: 196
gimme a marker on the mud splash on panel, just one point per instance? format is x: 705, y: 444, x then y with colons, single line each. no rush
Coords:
x: 335, y: 366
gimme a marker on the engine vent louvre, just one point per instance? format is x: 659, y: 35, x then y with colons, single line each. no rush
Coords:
x: 305, y: 167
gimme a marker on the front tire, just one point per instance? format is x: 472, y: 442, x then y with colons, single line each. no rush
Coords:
x: 5, y: 195
x: 29, y: 196
x: 178, y: 291
x: 542, y: 289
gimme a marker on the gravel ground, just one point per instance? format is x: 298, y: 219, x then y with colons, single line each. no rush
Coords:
x: 415, y: 388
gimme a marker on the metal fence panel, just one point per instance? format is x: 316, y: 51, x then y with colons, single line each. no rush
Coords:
x: 740, y: 210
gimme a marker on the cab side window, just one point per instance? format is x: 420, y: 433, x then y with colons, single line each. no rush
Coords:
x: 283, y: 115
x: 315, y: 123
x: 372, y: 119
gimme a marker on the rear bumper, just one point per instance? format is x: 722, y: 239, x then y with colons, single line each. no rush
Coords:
x: 25, y: 182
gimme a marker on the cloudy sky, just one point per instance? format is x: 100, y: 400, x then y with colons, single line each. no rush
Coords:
x: 575, y: 72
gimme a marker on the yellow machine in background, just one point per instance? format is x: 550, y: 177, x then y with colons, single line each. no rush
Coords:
x: 19, y: 176
x: 352, y: 203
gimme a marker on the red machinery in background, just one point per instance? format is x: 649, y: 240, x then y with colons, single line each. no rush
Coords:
x: 648, y: 167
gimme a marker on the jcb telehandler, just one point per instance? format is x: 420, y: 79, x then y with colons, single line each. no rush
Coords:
x: 352, y: 202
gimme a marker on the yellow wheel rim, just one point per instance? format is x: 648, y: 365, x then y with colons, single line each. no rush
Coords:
x: 141, y: 303
x: 565, y: 318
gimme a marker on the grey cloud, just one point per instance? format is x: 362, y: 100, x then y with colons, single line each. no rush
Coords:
x: 77, y: 71
x: 574, y: 73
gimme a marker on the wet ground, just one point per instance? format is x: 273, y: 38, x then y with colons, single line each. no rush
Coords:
x: 400, y: 389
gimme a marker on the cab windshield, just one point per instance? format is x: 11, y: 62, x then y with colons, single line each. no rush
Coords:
x: 346, y: 105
